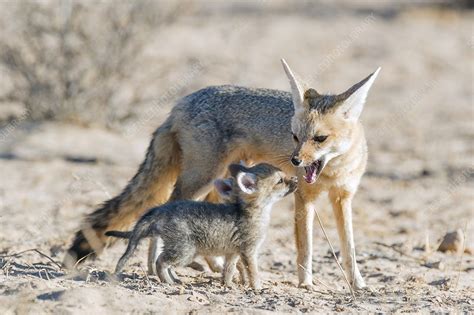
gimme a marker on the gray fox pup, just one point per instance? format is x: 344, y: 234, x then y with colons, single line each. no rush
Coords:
x: 316, y: 136
x: 232, y: 229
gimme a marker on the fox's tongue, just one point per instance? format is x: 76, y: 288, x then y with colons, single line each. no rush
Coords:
x: 311, y: 172
x: 310, y: 176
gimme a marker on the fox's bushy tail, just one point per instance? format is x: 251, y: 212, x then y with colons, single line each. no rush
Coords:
x: 119, y: 234
x: 151, y: 186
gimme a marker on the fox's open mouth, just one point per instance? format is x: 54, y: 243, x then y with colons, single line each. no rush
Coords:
x: 313, y: 171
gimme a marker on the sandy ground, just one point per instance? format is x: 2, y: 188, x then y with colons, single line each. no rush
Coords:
x: 419, y: 183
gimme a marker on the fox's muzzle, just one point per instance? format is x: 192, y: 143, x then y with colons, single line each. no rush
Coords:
x: 295, y: 160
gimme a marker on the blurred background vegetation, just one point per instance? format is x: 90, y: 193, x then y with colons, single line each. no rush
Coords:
x: 76, y: 61
x: 91, y: 62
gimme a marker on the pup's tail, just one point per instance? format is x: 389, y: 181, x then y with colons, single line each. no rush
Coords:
x: 119, y: 234
x: 142, y: 229
x: 151, y: 186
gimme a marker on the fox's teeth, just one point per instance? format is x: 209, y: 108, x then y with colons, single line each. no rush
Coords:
x: 310, y: 175
x: 312, y: 171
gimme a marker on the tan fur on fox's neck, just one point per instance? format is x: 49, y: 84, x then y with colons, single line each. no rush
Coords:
x: 352, y: 162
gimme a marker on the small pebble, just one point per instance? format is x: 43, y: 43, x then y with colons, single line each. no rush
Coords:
x: 452, y: 242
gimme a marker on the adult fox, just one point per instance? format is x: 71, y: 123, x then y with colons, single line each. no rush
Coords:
x: 318, y: 137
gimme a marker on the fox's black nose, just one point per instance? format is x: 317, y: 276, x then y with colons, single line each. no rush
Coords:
x: 295, y: 161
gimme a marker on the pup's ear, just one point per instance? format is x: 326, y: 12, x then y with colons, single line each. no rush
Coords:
x: 247, y: 182
x: 234, y: 169
x: 297, y: 89
x: 224, y: 187
x: 353, y: 100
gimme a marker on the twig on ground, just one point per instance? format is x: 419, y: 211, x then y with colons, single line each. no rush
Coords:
x: 46, y: 274
x: 427, y: 242
x: 80, y: 260
x: 322, y: 283
x: 36, y: 251
x: 334, y: 254
x: 400, y: 251
x: 325, y: 285
x: 148, y: 282
x: 5, y: 264
x: 461, y: 257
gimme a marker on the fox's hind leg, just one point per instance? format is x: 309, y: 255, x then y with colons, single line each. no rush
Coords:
x: 194, y: 185
x: 204, y: 158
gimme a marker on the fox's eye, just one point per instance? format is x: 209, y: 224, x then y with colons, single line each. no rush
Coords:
x: 320, y: 138
x: 280, y: 181
x: 295, y: 137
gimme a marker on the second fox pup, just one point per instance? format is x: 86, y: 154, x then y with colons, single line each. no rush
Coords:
x: 233, y: 229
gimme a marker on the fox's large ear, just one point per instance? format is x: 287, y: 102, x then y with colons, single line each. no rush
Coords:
x: 224, y: 187
x: 353, y: 99
x: 247, y: 182
x: 297, y: 89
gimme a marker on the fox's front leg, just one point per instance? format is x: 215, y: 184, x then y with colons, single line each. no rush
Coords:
x: 304, y: 216
x: 341, y: 200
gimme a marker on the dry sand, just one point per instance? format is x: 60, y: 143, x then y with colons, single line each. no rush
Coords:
x: 419, y: 183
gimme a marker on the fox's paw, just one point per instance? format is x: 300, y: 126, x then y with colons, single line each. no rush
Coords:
x: 257, y: 286
x: 306, y: 285
x: 359, y: 285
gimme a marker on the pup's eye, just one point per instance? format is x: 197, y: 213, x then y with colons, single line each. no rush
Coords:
x: 280, y: 181
x: 320, y: 138
x: 295, y: 137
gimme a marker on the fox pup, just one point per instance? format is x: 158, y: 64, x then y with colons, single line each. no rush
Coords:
x: 232, y: 229
x: 316, y: 136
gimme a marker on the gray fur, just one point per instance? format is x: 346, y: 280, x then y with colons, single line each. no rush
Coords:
x: 320, y: 102
x: 211, y: 122
x: 233, y: 229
